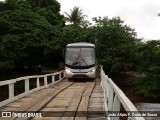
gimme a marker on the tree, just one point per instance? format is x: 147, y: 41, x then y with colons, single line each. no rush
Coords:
x: 148, y: 57
x: 75, y: 17
x: 115, y: 44
x: 29, y: 35
x: 148, y: 63
x: 39, y: 3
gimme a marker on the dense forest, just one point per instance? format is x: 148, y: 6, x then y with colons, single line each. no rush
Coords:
x: 33, y: 35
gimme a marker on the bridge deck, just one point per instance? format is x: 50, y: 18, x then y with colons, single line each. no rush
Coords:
x: 96, y: 103
x: 66, y: 100
x: 81, y: 98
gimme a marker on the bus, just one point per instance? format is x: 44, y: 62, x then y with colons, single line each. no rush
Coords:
x: 80, y: 60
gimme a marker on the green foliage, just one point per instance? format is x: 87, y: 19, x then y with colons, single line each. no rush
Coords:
x: 115, y: 44
x: 73, y: 33
x: 147, y: 61
x: 8, y: 5
x: 148, y: 57
x: 147, y: 86
x: 29, y: 35
x: 75, y: 17
x: 45, y: 3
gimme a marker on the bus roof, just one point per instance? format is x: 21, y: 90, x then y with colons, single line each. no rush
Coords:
x: 81, y: 44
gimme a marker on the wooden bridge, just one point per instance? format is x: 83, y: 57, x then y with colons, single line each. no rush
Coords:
x: 52, y: 97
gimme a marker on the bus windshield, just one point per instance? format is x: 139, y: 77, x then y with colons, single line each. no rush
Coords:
x: 80, y: 56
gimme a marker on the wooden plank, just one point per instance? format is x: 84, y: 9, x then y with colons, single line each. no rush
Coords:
x: 58, y: 103
x: 75, y: 103
x: 84, y: 103
x: 95, y: 100
x: 101, y: 118
x: 96, y: 115
x: 42, y: 100
x: 89, y: 90
x: 62, y: 101
x: 34, y: 98
x: 36, y: 107
x: 68, y: 94
x: 96, y: 105
x: 97, y: 95
x: 100, y: 108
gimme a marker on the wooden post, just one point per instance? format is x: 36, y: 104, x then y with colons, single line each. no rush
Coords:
x: 38, y: 84
x: 64, y: 74
x: 11, y: 90
x: 53, y: 79
x: 107, y: 90
x: 45, y: 81
x: 110, y: 99
x: 116, y: 106
x: 26, y: 85
x: 60, y: 76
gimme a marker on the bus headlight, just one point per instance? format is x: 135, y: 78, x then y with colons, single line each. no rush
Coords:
x: 68, y: 71
x: 93, y: 70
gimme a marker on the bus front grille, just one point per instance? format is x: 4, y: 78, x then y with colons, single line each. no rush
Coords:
x: 79, y: 76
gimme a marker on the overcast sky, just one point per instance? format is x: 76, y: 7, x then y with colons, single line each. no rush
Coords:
x: 139, y: 14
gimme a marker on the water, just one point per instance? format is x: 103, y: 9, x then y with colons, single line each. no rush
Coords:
x: 154, y: 108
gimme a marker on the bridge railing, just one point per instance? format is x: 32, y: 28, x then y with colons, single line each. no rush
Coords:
x: 11, y: 85
x: 114, y: 98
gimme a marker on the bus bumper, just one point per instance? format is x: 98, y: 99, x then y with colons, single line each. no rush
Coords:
x: 71, y: 74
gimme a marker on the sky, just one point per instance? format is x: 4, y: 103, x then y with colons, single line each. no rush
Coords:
x: 138, y: 14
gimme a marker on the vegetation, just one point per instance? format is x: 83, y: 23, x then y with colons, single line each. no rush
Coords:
x: 29, y: 34
x: 115, y: 44
x: 75, y: 17
x: 33, y: 35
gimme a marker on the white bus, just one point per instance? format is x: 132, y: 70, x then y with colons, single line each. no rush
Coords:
x: 80, y: 60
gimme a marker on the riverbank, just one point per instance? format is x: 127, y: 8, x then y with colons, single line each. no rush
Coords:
x: 127, y: 82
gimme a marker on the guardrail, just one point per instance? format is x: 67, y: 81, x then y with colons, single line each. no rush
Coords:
x: 11, y: 88
x: 114, y: 98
